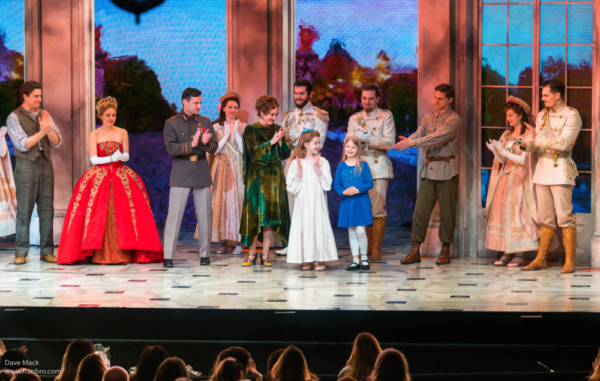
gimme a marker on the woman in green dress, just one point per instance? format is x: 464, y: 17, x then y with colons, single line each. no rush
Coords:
x: 265, y: 209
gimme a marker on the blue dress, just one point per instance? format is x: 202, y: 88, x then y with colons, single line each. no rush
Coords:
x: 354, y: 210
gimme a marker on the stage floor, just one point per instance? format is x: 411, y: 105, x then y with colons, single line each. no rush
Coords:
x: 467, y: 284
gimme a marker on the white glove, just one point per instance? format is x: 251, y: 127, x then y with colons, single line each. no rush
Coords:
x: 364, y: 136
x: 224, y: 140
x: 124, y: 157
x: 117, y: 156
x: 490, y: 145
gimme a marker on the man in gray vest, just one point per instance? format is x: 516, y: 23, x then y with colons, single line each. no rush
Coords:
x: 33, y: 133
x: 188, y: 137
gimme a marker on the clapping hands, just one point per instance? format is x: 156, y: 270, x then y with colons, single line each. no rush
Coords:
x: 206, y: 136
x: 277, y: 137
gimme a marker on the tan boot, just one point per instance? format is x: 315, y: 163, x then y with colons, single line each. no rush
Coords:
x: 570, y: 242
x: 413, y: 256
x: 378, y: 232
x: 541, y: 260
x: 444, y: 257
x: 369, y: 230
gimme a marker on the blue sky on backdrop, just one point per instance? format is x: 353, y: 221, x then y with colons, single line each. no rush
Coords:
x: 11, y: 23
x: 183, y: 41
x: 392, y: 25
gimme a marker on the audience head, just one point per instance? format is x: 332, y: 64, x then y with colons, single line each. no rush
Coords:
x: 150, y: 359
x: 273, y: 358
x: 24, y: 374
x: 116, y: 373
x: 267, y: 108
x: 308, y: 143
x: 170, y: 369
x: 13, y: 359
x: 363, y: 357
x: 347, y: 378
x: 596, y: 369
x: 91, y: 368
x: 292, y: 366
x: 76, y: 351
x: 238, y: 353
x: 6, y: 374
x: 229, y: 369
x: 391, y: 365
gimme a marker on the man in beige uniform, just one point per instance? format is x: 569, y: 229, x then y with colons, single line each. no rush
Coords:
x: 556, y: 129
x: 376, y: 130
x: 439, y: 134
x: 304, y: 116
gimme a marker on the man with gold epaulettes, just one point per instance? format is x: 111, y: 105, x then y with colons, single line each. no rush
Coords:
x: 376, y: 129
x: 557, y: 128
x: 304, y: 116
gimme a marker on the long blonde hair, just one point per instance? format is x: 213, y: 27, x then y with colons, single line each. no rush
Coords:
x: 596, y: 375
x: 364, y: 354
x: 354, y: 139
x: 292, y: 366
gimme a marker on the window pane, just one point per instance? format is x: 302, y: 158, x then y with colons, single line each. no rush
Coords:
x: 494, y: 24
x: 520, y: 62
x: 492, y: 102
x: 582, y: 151
x: 485, y: 183
x: 582, y: 192
x: 579, y: 67
x: 581, y: 18
x: 552, y: 63
x: 552, y: 23
x: 520, y: 27
x: 524, y: 94
x: 493, y: 65
x: 487, y: 157
x: 581, y: 100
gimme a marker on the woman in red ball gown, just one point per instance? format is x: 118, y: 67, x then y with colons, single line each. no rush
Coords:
x: 109, y: 220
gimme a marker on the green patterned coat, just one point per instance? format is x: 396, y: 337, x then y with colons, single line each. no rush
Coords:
x: 265, y: 198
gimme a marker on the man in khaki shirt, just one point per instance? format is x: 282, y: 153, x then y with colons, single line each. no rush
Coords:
x: 375, y: 128
x: 438, y: 134
x: 556, y: 129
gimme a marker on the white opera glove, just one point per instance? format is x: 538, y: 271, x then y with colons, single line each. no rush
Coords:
x: 239, y: 141
x: 124, y: 157
x: 519, y: 159
x: 107, y: 159
x: 492, y: 148
x: 364, y: 136
x: 3, y: 146
x: 224, y: 140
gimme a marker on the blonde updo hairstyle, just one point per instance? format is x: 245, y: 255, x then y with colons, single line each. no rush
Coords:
x: 306, y: 137
x: 104, y: 104
x: 265, y: 104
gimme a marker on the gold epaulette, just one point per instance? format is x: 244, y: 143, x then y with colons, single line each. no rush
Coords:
x: 322, y: 114
x: 173, y: 117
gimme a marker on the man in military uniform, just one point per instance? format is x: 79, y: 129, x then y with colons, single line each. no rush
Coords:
x: 556, y: 130
x: 188, y: 137
x: 304, y: 116
x: 376, y: 130
x: 438, y: 134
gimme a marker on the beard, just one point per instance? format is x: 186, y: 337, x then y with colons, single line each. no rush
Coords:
x: 302, y: 104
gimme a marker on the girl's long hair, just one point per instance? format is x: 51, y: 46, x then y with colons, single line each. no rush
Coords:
x: 292, y: 366
x: 76, y: 351
x: 391, y: 365
x: 364, y: 354
x: 354, y: 139
x: 305, y: 138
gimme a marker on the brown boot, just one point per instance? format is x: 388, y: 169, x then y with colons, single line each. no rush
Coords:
x: 369, y: 230
x: 541, y: 260
x: 413, y: 256
x: 570, y: 242
x: 378, y: 232
x: 444, y: 257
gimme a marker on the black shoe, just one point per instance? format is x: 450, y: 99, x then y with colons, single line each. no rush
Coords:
x: 204, y: 261
x: 353, y: 267
x: 364, y: 265
x: 168, y: 263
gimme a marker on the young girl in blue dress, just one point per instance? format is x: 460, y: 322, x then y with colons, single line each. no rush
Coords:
x: 352, y: 181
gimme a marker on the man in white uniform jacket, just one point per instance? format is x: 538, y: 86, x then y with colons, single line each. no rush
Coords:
x: 556, y: 130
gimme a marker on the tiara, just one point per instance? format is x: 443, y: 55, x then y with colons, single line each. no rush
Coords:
x: 520, y: 102
x: 106, y: 101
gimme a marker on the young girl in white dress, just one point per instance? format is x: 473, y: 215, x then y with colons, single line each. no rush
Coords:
x: 311, y: 238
